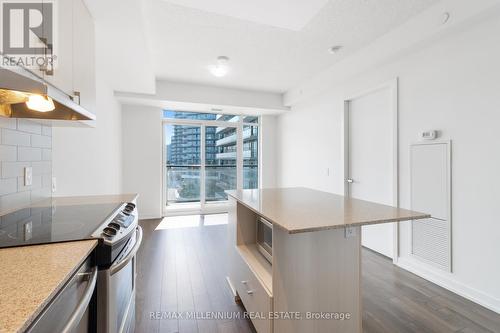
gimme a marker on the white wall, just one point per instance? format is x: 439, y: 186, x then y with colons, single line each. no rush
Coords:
x: 267, y: 145
x: 451, y: 85
x: 142, y: 157
x: 87, y: 161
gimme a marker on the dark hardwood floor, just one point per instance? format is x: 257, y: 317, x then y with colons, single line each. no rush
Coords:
x: 182, y: 270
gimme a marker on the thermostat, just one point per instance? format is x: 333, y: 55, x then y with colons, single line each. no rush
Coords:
x: 429, y: 135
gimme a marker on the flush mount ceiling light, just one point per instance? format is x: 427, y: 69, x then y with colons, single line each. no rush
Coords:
x: 221, y: 68
x: 335, y: 49
x: 40, y: 103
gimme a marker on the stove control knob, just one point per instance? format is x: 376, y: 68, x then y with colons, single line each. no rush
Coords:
x: 114, y: 225
x: 110, y: 232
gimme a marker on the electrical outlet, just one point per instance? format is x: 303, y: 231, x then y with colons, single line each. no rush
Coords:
x: 349, y: 232
x: 28, y: 176
x: 28, y: 230
x: 54, y: 185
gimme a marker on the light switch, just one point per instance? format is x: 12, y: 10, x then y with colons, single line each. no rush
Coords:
x: 28, y: 230
x: 54, y: 185
x: 28, y: 176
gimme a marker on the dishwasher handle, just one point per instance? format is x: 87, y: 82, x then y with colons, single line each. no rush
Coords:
x: 122, y: 263
x: 77, y: 315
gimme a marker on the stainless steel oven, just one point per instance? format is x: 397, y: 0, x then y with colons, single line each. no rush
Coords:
x: 70, y: 311
x: 116, y: 290
x: 265, y: 238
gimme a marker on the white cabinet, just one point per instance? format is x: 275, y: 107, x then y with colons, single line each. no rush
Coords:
x: 84, y: 56
x: 61, y: 73
x: 74, y: 49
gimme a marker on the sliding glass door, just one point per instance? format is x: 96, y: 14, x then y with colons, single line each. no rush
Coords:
x: 183, y: 174
x: 220, y: 162
x: 207, y: 154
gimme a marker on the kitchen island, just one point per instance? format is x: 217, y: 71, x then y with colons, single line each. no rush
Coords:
x: 312, y: 283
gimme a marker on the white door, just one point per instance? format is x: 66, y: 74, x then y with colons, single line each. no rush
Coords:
x: 371, y: 145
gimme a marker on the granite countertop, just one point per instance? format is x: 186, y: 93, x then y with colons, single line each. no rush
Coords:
x: 303, y: 210
x: 32, y: 275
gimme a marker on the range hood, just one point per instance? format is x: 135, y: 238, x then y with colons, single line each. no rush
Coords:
x: 19, y: 94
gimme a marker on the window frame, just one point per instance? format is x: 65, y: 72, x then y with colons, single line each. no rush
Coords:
x: 239, y: 126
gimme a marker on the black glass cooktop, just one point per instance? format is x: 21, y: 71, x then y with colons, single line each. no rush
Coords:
x: 39, y: 225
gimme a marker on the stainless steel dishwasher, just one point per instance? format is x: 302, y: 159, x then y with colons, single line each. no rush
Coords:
x: 70, y: 311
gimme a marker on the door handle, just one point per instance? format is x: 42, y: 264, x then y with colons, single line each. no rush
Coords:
x: 116, y: 267
x: 82, y: 306
x: 349, y: 180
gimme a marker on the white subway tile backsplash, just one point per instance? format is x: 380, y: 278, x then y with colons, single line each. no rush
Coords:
x: 36, y: 184
x: 15, y: 138
x: 13, y: 169
x: 8, y: 123
x: 47, y: 154
x: 47, y: 181
x: 41, y: 193
x: 29, y: 154
x: 15, y: 199
x: 46, y: 130
x: 8, y: 186
x: 8, y: 153
x: 24, y: 143
x: 41, y: 141
x: 29, y: 126
x: 42, y: 167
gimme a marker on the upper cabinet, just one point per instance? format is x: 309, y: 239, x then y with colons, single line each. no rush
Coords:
x: 73, y: 70
x: 60, y: 73
x: 84, y: 74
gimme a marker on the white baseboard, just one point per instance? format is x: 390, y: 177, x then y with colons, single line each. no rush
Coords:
x: 432, y: 275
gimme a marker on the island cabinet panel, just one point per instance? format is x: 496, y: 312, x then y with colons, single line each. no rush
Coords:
x: 256, y: 300
x: 317, y: 273
x: 249, y: 273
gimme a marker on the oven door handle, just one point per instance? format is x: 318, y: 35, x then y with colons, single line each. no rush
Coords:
x: 77, y: 315
x: 122, y: 263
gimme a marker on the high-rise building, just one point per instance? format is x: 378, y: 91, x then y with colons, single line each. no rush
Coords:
x: 185, y: 145
x: 226, y: 147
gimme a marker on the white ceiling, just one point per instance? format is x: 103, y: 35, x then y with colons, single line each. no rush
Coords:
x: 286, y: 14
x: 185, y: 40
x: 273, y: 45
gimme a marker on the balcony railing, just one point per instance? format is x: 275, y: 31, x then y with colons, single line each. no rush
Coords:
x: 183, y: 182
x: 232, y: 155
x: 247, y: 133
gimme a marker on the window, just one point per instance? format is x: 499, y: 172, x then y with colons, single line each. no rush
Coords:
x: 205, y: 156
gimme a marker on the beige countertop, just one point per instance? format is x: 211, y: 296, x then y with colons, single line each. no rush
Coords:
x: 30, y: 276
x: 302, y: 210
